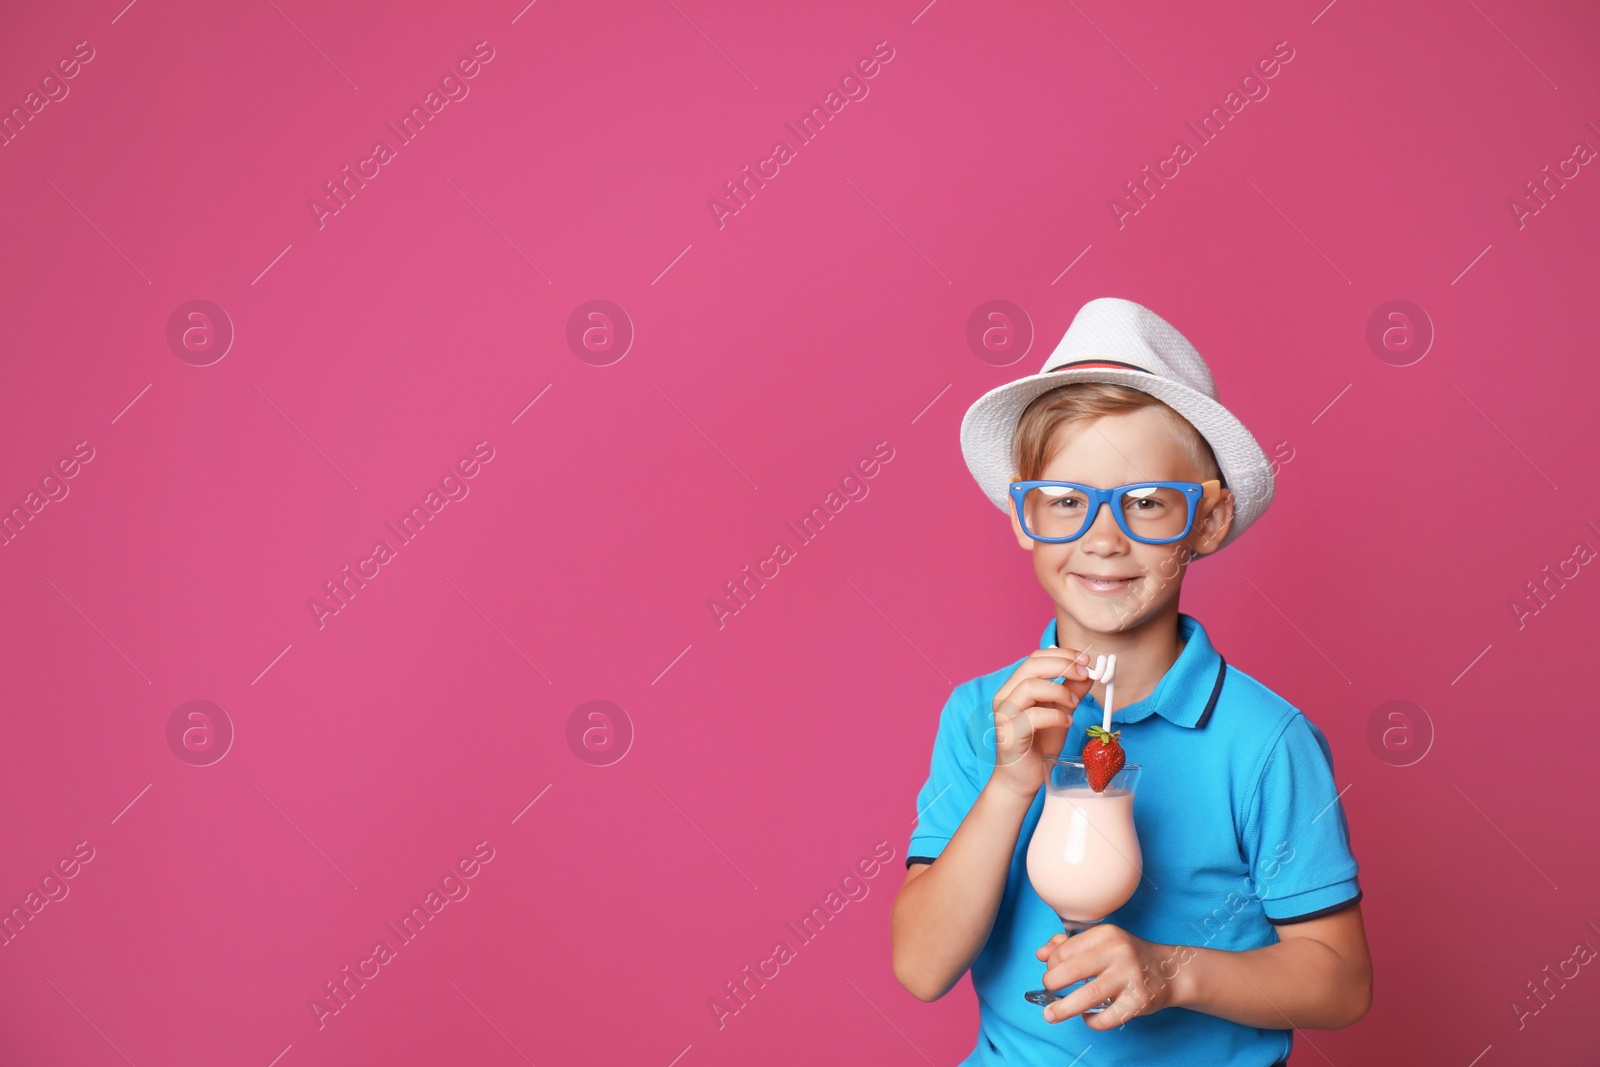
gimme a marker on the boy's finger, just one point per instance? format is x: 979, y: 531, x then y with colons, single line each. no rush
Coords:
x: 1040, y: 691
x: 1061, y: 661
x: 1067, y: 956
x: 1018, y: 732
x: 1049, y: 946
x: 1074, y: 959
x: 1058, y: 977
x: 1079, y: 1000
x: 1047, y: 663
x: 1042, y: 717
x: 1035, y: 691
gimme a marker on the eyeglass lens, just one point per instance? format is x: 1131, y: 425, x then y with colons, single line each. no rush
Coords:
x: 1150, y: 511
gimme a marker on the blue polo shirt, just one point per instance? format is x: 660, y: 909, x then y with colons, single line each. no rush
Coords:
x: 1241, y: 828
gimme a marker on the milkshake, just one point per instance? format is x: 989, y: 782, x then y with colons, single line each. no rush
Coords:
x: 1084, y: 859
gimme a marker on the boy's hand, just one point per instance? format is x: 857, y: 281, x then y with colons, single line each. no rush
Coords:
x: 1136, y: 974
x: 1032, y: 715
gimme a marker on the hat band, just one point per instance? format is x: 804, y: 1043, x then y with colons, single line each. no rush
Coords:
x: 1107, y: 363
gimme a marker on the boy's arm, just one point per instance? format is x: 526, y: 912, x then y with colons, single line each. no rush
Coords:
x: 1318, y: 975
x: 946, y: 909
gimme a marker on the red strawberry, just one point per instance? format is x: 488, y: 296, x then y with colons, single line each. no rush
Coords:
x: 1102, y: 757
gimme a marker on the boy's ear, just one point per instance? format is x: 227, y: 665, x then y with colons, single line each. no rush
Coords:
x: 1023, y: 539
x: 1215, y: 524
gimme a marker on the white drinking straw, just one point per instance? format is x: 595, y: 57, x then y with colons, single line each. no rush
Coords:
x: 1110, y: 680
x: 1105, y: 671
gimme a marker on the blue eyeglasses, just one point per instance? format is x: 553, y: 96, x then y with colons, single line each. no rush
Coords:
x: 1152, y: 513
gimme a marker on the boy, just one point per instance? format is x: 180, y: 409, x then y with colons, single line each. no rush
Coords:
x: 1247, y: 922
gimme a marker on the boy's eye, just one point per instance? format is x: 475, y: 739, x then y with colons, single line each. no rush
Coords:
x: 1146, y: 499
x: 1061, y: 498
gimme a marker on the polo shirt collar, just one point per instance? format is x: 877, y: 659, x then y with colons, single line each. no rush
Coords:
x: 1186, y: 695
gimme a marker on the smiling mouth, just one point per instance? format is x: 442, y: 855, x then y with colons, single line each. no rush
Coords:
x: 1102, y: 584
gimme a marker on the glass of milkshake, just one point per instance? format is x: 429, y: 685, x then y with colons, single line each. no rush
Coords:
x: 1084, y: 859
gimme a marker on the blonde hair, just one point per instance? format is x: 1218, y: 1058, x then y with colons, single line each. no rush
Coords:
x: 1034, y: 442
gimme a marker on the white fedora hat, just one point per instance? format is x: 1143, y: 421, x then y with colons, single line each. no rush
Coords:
x: 1118, y: 341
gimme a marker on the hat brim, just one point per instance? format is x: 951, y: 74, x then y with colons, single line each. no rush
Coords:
x: 990, y: 423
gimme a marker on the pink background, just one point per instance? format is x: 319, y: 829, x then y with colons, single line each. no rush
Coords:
x: 771, y: 354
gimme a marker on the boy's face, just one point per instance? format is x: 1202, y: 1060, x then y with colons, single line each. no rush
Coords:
x: 1135, y: 446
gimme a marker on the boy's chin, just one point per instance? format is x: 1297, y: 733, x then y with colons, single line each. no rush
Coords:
x: 1107, y: 617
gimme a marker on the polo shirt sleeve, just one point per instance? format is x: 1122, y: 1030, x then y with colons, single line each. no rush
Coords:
x: 955, y: 776
x: 1295, y: 837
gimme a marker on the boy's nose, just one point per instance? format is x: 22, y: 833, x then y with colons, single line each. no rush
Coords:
x: 1103, y: 523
